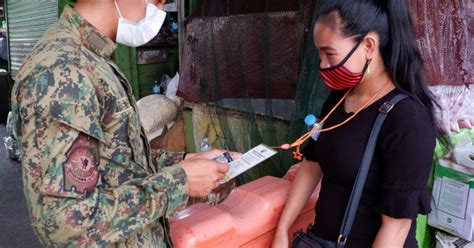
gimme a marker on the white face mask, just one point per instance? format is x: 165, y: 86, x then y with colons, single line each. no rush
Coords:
x: 135, y: 34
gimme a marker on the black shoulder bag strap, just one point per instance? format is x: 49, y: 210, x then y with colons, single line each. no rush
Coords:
x: 358, y: 187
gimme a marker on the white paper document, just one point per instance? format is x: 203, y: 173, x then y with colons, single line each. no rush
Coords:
x: 453, y: 198
x: 248, y: 160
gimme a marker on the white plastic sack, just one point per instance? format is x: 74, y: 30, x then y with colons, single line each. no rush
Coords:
x: 172, y: 88
x: 444, y: 240
x: 156, y: 112
x: 453, y: 199
x: 463, y: 153
x: 456, y: 107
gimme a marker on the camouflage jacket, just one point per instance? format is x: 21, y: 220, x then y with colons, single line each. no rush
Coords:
x: 90, y: 178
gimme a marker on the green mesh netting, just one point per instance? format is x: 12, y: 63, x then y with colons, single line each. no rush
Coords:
x: 253, y: 78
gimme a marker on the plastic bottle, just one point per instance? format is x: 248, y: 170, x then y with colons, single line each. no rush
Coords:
x: 173, y: 25
x: 156, y: 87
x: 311, y: 120
x: 205, y: 145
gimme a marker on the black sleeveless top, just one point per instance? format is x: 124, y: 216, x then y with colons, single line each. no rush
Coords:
x: 396, y: 185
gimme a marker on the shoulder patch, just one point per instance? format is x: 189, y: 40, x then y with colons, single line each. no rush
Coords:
x: 81, y: 167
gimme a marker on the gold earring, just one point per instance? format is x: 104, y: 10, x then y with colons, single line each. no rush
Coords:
x: 368, y: 65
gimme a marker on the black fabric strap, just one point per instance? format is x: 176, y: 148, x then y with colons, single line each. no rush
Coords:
x: 358, y: 187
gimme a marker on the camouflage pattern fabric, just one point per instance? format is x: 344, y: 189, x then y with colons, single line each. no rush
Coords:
x: 90, y: 178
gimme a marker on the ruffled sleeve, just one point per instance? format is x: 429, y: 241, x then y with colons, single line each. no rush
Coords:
x: 409, y: 204
x: 406, y: 155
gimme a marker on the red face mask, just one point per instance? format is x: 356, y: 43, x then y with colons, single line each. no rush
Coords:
x: 338, y: 77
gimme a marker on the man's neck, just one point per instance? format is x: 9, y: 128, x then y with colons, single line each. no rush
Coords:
x: 93, y: 12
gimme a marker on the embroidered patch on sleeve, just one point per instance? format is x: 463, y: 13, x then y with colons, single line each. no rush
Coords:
x: 81, y: 166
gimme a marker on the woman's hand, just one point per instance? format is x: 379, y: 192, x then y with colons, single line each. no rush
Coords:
x: 392, y: 233
x: 281, y: 238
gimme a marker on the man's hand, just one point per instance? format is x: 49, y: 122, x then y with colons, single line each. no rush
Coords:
x: 203, y: 175
x: 212, y: 154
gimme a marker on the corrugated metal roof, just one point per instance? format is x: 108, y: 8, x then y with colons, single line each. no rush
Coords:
x: 27, y: 22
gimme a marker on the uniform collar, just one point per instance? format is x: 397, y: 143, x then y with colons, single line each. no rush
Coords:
x: 90, y: 36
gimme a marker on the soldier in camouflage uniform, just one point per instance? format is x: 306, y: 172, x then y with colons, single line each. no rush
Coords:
x: 90, y: 178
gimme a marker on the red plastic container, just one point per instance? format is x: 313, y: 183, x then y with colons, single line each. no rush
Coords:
x: 247, y: 218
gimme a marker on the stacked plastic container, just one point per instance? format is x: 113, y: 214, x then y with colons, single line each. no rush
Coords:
x: 247, y: 218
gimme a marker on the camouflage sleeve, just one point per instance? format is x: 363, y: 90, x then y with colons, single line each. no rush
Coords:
x: 76, y: 193
x: 102, y: 214
x: 162, y: 158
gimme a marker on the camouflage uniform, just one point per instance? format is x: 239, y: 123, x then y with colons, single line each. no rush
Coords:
x: 88, y: 172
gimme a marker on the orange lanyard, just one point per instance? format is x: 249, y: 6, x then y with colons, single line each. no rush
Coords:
x: 316, y: 129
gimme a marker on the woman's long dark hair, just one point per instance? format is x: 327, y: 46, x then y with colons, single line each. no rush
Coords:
x: 391, y: 20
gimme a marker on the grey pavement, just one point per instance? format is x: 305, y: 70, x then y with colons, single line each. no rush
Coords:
x: 15, y: 227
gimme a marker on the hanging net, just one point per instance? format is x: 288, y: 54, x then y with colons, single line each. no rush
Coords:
x: 249, y: 68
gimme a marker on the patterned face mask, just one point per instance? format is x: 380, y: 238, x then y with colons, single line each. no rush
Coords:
x: 135, y: 34
x: 338, y: 77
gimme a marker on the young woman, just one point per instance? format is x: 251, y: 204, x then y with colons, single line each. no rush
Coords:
x: 368, y: 55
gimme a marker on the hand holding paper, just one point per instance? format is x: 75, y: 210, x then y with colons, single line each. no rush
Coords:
x: 248, y: 160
